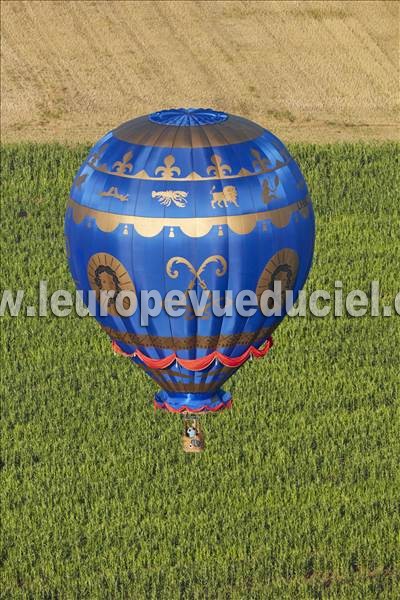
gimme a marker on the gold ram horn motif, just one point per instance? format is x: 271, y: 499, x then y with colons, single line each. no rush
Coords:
x: 174, y: 273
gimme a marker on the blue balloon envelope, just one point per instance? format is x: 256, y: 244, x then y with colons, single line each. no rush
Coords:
x: 193, y: 200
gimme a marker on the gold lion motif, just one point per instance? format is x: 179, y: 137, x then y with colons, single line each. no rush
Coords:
x: 227, y: 196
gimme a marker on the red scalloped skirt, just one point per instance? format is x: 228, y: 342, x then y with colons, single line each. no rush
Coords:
x: 197, y: 364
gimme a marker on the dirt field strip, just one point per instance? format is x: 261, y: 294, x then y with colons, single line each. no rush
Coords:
x: 311, y: 71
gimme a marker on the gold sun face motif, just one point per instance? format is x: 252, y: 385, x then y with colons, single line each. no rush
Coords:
x: 106, y: 273
x: 283, y: 267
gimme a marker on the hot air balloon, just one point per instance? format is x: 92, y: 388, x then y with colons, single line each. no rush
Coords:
x: 194, y: 200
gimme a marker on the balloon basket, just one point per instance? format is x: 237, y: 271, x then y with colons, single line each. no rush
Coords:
x: 193, y: 436
x: 191, y: 407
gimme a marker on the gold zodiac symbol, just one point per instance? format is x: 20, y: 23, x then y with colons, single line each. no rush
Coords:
x: 124, y: 164
x: 174, y: 273
x: 219, y: 170
x: 169, y: 196
x: 269, y: 190
x: 113, y: 193
x: 169, y: 169
x: 227, y: 196
x: 260, y: 163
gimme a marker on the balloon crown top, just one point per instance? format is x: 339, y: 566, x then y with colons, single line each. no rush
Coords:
x: 188, y: 117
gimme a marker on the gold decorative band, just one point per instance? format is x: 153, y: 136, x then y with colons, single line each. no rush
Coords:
x: 193, y: 176
x: 171, y: 171
x: 210, y: 342
x: 148, y: 133
x: 196, y: 227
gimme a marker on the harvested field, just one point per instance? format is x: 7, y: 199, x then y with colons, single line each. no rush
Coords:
x: 311, y: 71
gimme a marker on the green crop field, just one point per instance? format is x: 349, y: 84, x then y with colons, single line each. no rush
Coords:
x: 297, y: 495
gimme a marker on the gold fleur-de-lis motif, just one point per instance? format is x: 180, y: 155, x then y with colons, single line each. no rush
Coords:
x: 260, y: 163
x: 283, y: 153
x: 169, y: 169
x: 219, y: 170
x: 124, y: 164
x: 95, y: 157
